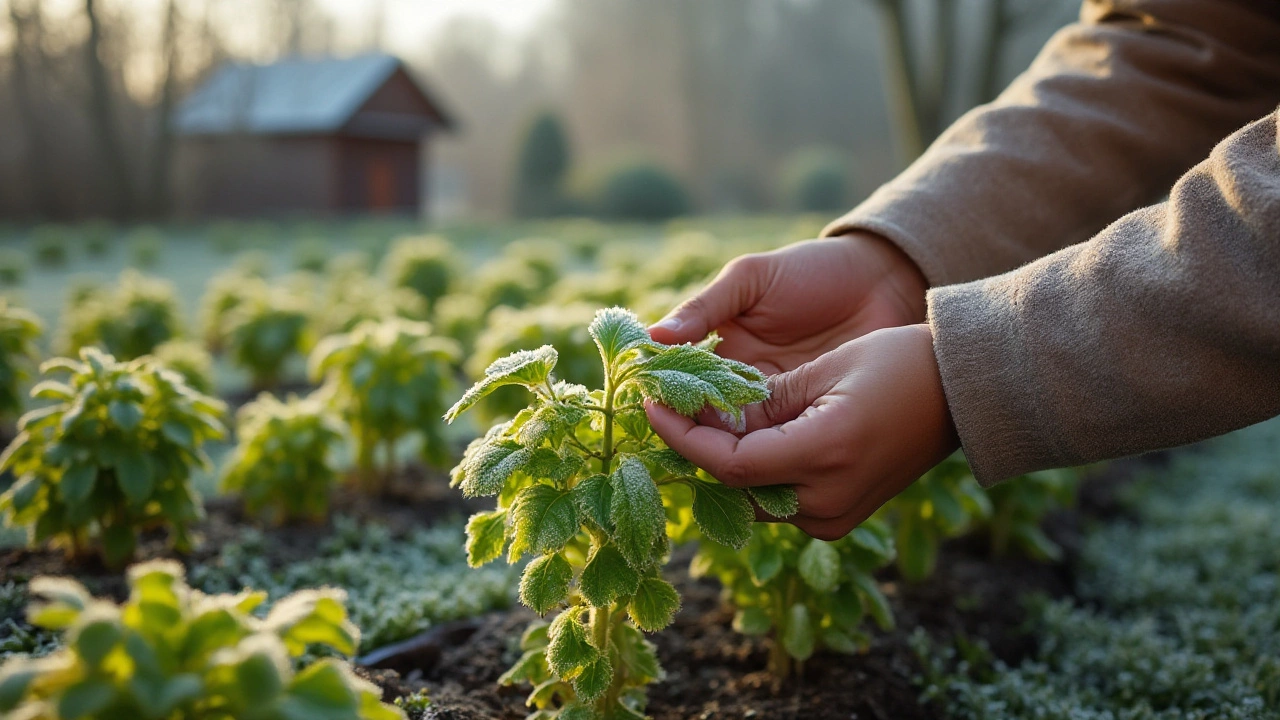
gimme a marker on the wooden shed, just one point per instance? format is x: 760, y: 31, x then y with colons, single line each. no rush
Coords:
x: 326, y: 136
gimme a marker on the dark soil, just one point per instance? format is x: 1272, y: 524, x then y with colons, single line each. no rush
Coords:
x: 712, y: 672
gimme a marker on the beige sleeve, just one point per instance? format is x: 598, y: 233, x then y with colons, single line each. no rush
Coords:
x: 1161, y: 330
x: 1113, y: 110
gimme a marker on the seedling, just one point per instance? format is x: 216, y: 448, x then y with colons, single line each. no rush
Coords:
x: 18, y: 332
x: 945, y: 503
x: 127, y: 321
x: 284, y: 459
x: 110, y: 455
x: 1020, y: 504
x: 809, y: 594
x: 174, y: 652
x: 581, y: 482
x: 265, y: 330
x: 388, y: 380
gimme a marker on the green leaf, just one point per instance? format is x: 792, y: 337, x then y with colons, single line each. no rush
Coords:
x: 636, y: 512
x: 545, y: 518
x: 577, y: 712
x: 95, y: 639
x: 840, y: 641
x: 617, y: 330
x: 607, y: 577
x: 85, y: 699
x: 654, y: 604
x: 797, y: 634
x: 126, y: 415
x: 594, y: 679
x: 16, y: 675
x: 819, y: 566
x: 636, y: 654
x: 570, y: 651
x: 486, y: 537
x: 488, y: 468
x: 594, y: 497
x: 77, y: 483
x: 752, y: 621
x: 135, y: 475
x: 779, y: 501
x: 724, y: 514
x: 545, y: 583
x: 948, y: 509
x: 874, y: 601
x: 118, y: 544
x: 669, y: 461
x: 686, y: 379
x: 550, y: 423
x: 764, y: 557
x: 1035, y: 543
x: 846, y: 606
x: 525, y: 669
x: 917, y: 548
x: 178, y: 433
x: 527, y: 367
x: 258, y: 676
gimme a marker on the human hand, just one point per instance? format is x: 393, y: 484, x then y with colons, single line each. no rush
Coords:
x: 849, y: 430
x: 781, y: 309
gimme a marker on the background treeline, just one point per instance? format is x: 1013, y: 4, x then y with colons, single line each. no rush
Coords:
x: 728, y: 96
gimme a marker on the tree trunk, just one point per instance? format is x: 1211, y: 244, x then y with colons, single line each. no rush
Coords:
x: 162, y: 153
x: 28, y: 51
x: 900, y: 82
x: 103, y: 120
x: 993, y: 50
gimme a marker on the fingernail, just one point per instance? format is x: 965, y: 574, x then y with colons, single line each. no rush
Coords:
x: 671, y: 323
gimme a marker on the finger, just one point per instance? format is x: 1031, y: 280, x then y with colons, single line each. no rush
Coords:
x: 734, y: 291
x: 791, y: 393
x: 770, y: 456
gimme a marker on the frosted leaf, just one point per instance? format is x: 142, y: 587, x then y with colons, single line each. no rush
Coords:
x: 687, y: 378
x: 617, y: 330
x: 635, y: 509
x: 527, y: 367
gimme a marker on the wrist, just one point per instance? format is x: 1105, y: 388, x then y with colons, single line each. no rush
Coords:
x: 897, y: 274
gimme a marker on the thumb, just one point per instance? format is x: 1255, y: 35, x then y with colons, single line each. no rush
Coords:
x: 734, y: 291
x: 790, y: 394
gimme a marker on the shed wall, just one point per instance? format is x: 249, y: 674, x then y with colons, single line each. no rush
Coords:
x: 248, y: 176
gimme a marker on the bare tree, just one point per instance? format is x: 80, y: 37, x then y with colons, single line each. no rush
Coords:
x: 162, y: 151
x: 28, y: 53
x: 103, y: 120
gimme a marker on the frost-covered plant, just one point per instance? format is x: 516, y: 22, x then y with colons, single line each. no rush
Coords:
x: 945, y: 503
x: 459, y: 316
x: 175, y: 653
x: 581, y: 482
x: 1020, y: 505
x: 225, y: 292
x: 507, y: 330
x: 110, y: 455
x: 425, y: 265
x: 506, y: 281
x: 265, y: 330
x: 13, y: 266
x: 51, y: 245
x: 145, y: 246
x: 127, y: 321
x: 808, y: 593
x: 188, y: 359
x: 283, y: 459
x: 18, y: 332
x: 350, y: 298
x: 389, y: 380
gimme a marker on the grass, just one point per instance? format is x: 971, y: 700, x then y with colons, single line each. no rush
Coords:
x: 1178, y: 609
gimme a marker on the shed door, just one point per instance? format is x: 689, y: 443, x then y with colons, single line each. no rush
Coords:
x: 380, y: 173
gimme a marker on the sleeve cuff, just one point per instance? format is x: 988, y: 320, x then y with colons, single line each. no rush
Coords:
x: 858, y: 220
x: 991, y: 381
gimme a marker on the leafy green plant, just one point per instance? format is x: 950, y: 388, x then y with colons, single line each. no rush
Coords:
x: 283, y: 460
x: 581, y: 482
x: 18, y: 332
x: 127, y: 321
x: 945, y: 503
x: 311, y: 254
x: 808, y: 593
x: 223, y: 294
x: 264, y: 330
x: 97, y: 236
x: 642, y: 190
x: 13, y: 266
x: 110, y: 455
x: 389, y: 380
x: 350, y: 298
x: 145, y: 246
x: 425, y: 265
x: 51, y: 245
x: 190, y: 360
x: 460, y: 316
x: 1020, y: 505
x: 171, y: 652
x: 506, y: 281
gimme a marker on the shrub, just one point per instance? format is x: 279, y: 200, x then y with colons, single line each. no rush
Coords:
x: 111, y: 455
x: 425, y: 265
x: 145, y: 246
x: 508, y: 330
x: 265, y: 330
x: 18, y: 332
x: 352, y: 298
x: 173, y: 652
x: 808, y: 593
x: 223, y: 294
x: 1020, y: 505
x: 311, y: 254
x: 13, y: 266
x: 816, y: 180
x: 686, y: 258
x: 283, y: 459
x: 98, y: 236
x: 389, y: 380
x: 946, y: 502
x: 541, y: 168
x: 127, y: 321
x: 543, y: 257
x: 506, y: 281
x: 460, y: 316
x: 581, y: 482
x: 51, y: 245
x: 641, y: 190
x: 190, y: 360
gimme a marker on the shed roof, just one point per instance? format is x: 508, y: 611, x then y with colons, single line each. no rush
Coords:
x: 294, y: 95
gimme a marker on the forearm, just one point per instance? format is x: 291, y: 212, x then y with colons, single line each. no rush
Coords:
x: 1112, y: 112
x: 1162, y: 330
